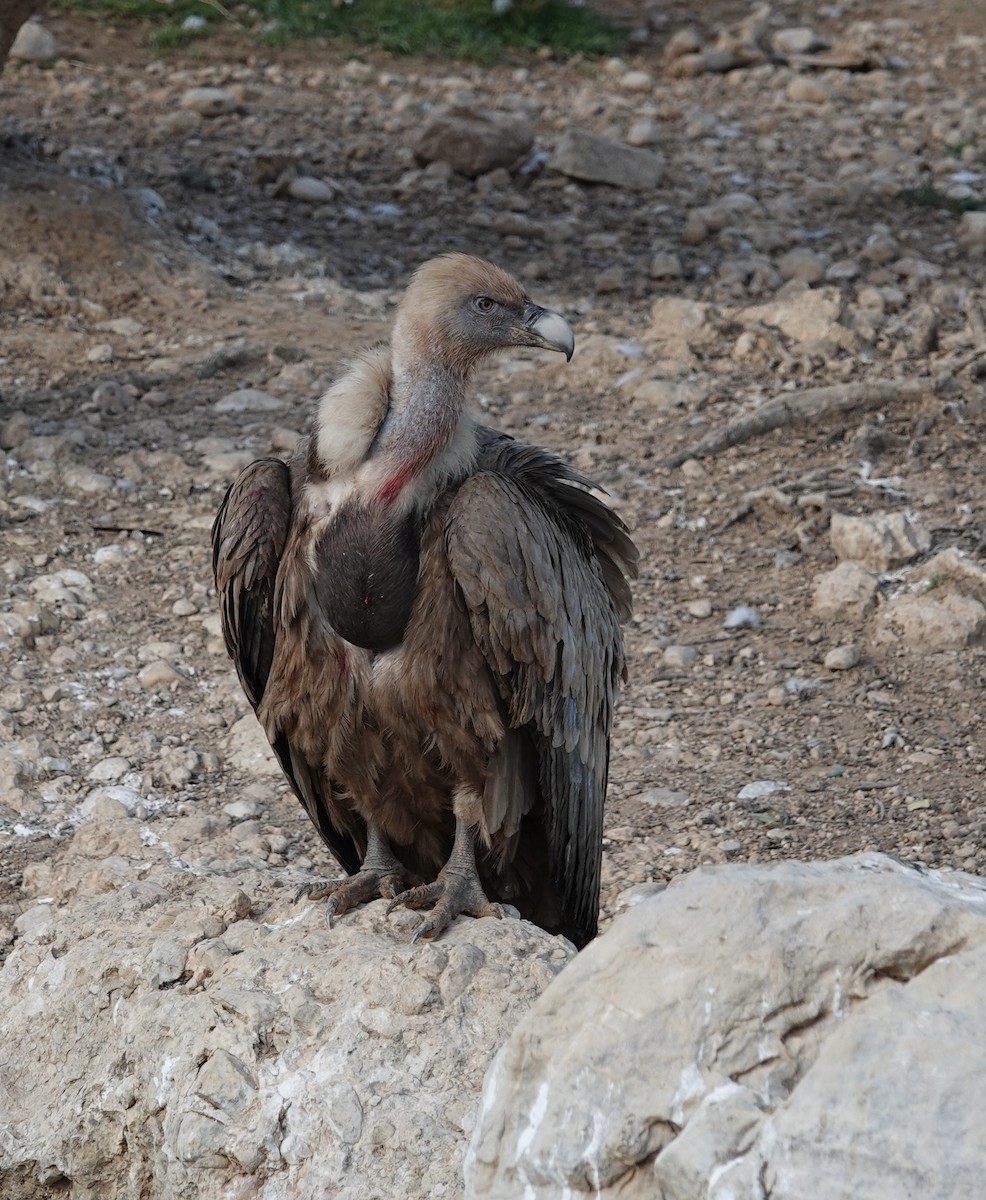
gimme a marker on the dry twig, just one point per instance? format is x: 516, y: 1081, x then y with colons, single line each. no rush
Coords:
x: 817, y: 404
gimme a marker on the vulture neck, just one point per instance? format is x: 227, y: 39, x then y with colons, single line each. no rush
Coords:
x: 425, y: 430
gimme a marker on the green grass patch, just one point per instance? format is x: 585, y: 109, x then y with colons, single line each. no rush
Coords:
x: 928, y: 196
x: 469, y: 29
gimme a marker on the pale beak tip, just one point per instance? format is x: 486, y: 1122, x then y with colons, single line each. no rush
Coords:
x: 555, y: 333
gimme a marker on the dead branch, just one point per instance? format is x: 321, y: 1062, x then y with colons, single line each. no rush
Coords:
x: 975, y: 318
x: 818, y: 404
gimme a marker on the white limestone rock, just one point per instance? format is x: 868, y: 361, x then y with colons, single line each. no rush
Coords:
x: 793, y: 1029
x: 33, y: 43
x: 879, y: 541
x: 847, y: 590
x: 181, y: 1035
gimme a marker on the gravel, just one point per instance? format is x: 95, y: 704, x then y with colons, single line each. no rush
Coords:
x: 776, y: 249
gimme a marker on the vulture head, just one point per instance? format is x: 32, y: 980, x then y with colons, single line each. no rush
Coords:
x: 458, y: 310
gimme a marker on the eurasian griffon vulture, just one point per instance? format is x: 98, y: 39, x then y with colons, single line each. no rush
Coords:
x: 425, y: 615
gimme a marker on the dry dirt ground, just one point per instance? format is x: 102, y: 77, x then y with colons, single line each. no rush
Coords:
x: 116, y: 204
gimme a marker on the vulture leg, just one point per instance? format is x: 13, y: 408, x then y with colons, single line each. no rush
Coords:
x: 380, y: 875
x: 457, y: 889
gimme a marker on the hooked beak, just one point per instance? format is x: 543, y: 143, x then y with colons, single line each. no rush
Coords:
x: 545, y: 329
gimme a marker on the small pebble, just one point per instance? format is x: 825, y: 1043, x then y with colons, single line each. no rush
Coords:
x: 311, y: 190
x: 760, y: 789
x: 805, y: 90
x: 109, y: 770
x: 158, y: 675
x: 842, y: 658
x: 680, y: 656
x: 663, y: 798
x: 208, y: 101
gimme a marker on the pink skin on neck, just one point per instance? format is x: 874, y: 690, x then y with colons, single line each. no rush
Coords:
x: 395, y: 485
x: 427, y: 397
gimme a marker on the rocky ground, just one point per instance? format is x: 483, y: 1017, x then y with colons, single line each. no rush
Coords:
x: 174, y: 296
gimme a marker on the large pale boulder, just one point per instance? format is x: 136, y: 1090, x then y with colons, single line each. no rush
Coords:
x: 175, y: 1035
x: 788, y: 1031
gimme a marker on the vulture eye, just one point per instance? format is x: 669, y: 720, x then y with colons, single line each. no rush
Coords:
x: 483, y: 304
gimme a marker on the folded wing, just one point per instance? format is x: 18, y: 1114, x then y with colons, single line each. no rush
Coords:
x: 248, y: 540
x: 543, y: 566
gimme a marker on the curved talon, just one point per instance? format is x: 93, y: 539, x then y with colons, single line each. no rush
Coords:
x: 451, y: 895
x: 388, y: 887
x: 317, y: 889
x: 419, y: 897
x: 371, y: 882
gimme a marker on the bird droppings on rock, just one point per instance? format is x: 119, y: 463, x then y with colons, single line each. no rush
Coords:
x: 222, y: 1085
x: 808, y: 947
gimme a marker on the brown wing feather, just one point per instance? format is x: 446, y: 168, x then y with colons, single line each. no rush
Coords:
x: 248, y: 537
x: 248, y: 540
x: 542, y: 566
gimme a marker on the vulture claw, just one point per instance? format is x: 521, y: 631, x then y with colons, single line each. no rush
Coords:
x: 349, y: 893
x: 317, y: 889
x: 419, y: 897
x: 452, y: 895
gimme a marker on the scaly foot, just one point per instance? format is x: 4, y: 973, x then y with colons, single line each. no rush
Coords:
x: 353, y: 890
x: 452, y: 894
x: 380, y: 875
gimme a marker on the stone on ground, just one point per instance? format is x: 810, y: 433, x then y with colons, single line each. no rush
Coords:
x: 879, y: 541
x: 474, y: 143
x: 165, y: 1038
x: 786, y: 1030
x: 594, y: 159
